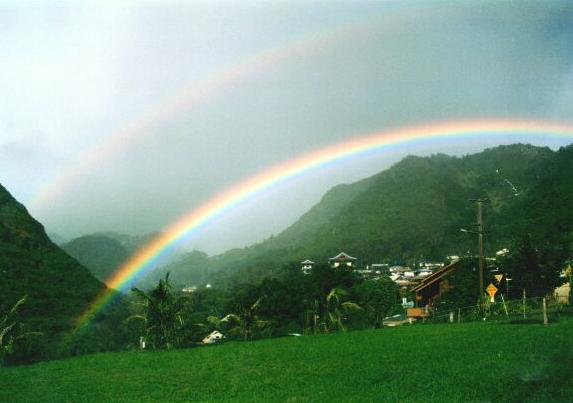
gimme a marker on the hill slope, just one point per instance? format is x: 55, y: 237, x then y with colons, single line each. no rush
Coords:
x: 439, y: 363
x: 101, y: 254
x: 415, y: 210
x: 57, y: 286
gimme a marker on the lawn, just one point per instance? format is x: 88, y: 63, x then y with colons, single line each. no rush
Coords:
x: 445, y: 363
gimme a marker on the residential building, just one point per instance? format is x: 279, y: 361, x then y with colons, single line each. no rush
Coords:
x: 342, y: 260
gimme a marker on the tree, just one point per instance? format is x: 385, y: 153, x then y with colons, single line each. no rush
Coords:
x: 337, y: 309
x: 11, y: 331
x: 378, y: 297
x: 570, y: 277
x: 312, y: 315
x: 537, y: 270
x: 245, y: 320
x: 162, y: 314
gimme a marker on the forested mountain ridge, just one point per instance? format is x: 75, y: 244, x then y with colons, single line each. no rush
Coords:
x: 411, y: 211
x: 57, y: 287
x: 101, y: 254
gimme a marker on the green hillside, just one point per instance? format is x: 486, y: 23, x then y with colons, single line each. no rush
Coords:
x: 58, y: 288
x: 419, y: 363
x: 129, y: 242
x: 101, y: 254
x: 414, y: 211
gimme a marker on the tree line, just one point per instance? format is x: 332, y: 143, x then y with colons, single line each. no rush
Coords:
x: 326, y: 300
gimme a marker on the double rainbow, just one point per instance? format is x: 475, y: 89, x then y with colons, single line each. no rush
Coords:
x: 142, y: 262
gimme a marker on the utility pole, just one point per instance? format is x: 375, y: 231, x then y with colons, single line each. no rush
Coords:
x: 479, y: 203
x: 480, y: 233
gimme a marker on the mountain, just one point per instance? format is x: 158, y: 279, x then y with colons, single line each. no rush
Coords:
x: 57, y: 238
x: 413, y: 211
x: 57, y: 287
x: 101, y: 254
x: 190, y: 269
x: 130, y: 242
x: 104, y: 252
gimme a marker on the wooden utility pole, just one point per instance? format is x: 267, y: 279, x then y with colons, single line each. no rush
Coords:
x: 480, y: 233
x: 479, y: 203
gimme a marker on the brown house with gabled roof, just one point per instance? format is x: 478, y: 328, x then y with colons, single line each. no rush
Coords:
x: 429, y: 289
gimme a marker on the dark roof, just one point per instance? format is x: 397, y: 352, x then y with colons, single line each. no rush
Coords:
x: 432, y: 278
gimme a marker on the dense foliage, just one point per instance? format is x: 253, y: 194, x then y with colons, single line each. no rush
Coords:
x: 12, y: 331
x: 535, y: 269
x: 325, y: 300
x: 162, y: 315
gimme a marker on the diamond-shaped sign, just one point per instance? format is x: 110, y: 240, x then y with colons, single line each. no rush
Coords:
x: 491, y: 290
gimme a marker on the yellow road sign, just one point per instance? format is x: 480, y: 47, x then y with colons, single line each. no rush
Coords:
x: 491, y: 290
x: 498, y: 277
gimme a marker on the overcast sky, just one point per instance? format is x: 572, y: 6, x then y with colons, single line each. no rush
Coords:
x: 200, y: 95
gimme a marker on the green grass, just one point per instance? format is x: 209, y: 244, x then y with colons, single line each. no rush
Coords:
x: 446, y: 363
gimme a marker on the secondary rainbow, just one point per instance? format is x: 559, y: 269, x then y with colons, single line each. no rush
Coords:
x: 142, y: 126
x: 213, y: 208
x: 149, y: 121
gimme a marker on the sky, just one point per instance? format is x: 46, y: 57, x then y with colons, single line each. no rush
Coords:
x: 122, y: 116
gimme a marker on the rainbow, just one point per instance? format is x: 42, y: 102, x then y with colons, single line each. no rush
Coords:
x: 198, y: 91
x: 143, y: 125
x: 190, y: 223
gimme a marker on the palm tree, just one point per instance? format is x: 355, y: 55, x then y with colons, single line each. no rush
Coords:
x: 336, y: 309
x: 162, y: 314
x: 10, y: 330
x: 246, y: 321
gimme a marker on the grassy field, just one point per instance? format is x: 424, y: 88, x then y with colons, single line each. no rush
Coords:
x: 446, y: 363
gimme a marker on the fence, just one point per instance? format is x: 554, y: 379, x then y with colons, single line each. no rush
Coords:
x: 523, y: 310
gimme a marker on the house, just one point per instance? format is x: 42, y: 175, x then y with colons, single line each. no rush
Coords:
x: 429, y: 289
x: 307, y: 266
x: 432, y: 266
x: 423, y: 273
x: 383, y: 268
x: 369, y: 273
x: 342, y: 260
x: 562, y: 293
x: 399, y: 269
x: 214, y: 337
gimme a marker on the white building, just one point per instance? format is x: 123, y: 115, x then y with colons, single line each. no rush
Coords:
x: 306, y: 267
x: 215, y: 337
x: 342, y: 260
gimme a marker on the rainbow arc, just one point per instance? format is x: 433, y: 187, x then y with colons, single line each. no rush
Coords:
x: 187, y: 225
